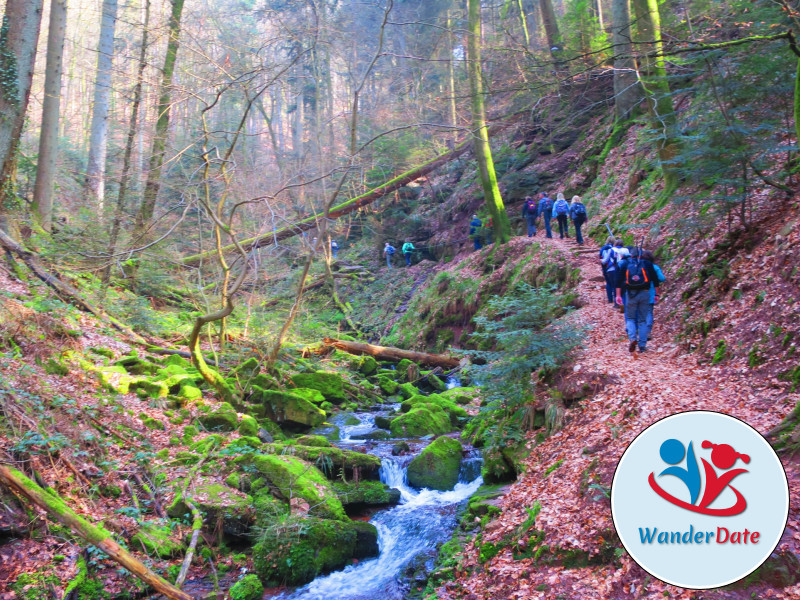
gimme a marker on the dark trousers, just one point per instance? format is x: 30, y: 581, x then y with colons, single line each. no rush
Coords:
x: 563, y: 226
x: 548, y: 214
x: 477, y: 241
x: 531, y: 226
x: 578, y: 224
x: 408, y: 258
x: 611, y: 281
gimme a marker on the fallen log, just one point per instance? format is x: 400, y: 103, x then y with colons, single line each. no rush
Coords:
x: 58, y: 510
x: 394, y: 354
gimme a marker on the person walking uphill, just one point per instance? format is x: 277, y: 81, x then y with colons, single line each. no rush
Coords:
x: 530, y: 212
x: 546, y: 210
x: 608, y: 262
x: 408, y: 248
x: 561, y: 209
x: 634, y: 277
x: 647, y: 255
x: 334, y: 248
x: 475, y: 231
x: 388, y: 252
x: 577, y: 211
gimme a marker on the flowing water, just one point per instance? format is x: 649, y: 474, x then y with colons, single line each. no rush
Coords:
x: 415, y: 527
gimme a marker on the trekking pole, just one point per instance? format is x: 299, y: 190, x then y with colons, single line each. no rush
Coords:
x: 611, y: 233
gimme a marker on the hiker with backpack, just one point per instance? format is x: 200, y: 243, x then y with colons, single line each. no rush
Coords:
x: 634, y: 278
x: 561, y: 210
x: 530, y: 212
x: 408, y: 248
x: 661, y: 278
x: 388, y: 252
x: 475, y: 231
x: 546, y: 210
x: 334, y: 248
x: 608, y: 263
x: 577, y: 211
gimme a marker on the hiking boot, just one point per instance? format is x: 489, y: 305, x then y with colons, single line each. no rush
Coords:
x: 642, y: 348
x: 632, y: 346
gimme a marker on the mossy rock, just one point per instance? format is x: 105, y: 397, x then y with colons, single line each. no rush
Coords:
x: 53, y: 367
x: 366, y: 493
x: 296, y: 478
x: 272, y: 429
x: 437, y: 466
x: 100, y: 351
x: 383, y: 422
x: 403, y: 369
x: 460, y: 395
x: 307, y: 548
x: 388, y: 386
x: 222, y: 419
x: 457, y: 414
x: 147, y: 387
x: 248, y: 426
x: 175, y: 359
x: 136, y: 366
x: 289, y: 409
x: 328, y: 431
x: 208, y: 443
x: 436, y: 383
x: 314, y: 440
x: 247, y: 370
x: 115, y: 379
x: 314, y: 396
x: 342, y: 460
x: 387, y: 373
x: 188, y: 433
x: 152, y: 423
x: 495, y: 468
x: 368, y: 365
x: 189, y: 391
x: 246, y: 443
x: 156, y: 540
x: 248, y: 587
x: 218, y: 503
x: 421, y: 420
x: 408, y: 390
x: 330, y: 384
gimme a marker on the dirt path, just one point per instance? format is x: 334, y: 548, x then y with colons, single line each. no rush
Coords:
x: 575, y: 514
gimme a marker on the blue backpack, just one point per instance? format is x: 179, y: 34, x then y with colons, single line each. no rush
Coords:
x: 390, y: 250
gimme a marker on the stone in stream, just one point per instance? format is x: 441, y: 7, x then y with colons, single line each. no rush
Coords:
x: 330, y: 384
x: 437, y: 466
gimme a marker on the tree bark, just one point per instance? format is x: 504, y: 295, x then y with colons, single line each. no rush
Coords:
x: 48, y: 138
x: 394, y: 354
x: 59, y: 511
x: 94, y: 190
x: 550, y: 27
x: 483, y: 152
x: 627, y: 90
x: 19, y: 35
x: 153, y: 184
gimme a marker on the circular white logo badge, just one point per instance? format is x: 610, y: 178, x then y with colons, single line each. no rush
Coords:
x: 699, y: 499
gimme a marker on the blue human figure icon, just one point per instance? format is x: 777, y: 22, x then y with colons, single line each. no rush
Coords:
x: 672, y: 452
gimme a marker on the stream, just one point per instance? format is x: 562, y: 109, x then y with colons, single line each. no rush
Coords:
x: 421, y: 521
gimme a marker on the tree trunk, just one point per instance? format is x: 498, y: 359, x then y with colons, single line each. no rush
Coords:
x: 550, y: 28
x: 394, y: 354
x: 153, y: 184
x: 656, y: 86
x: 60, y: 512
x: 627, y: 90
x: 483, y: 152
x: 48, y: 138
x: 19, y: 35
x: 94, y: 190
x: 451, y: 81
x: 597, y: 6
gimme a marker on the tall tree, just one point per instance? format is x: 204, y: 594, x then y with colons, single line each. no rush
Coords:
x: 654, y: 79
x: 94, y: 187
x: 51, y: 108
x: 19, y: 35
x: 157, y: 152
x: 550, y: 27
x: 483, y: 152
x: 627, y: 91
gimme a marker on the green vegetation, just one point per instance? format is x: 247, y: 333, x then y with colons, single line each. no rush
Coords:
x: 437, y: 466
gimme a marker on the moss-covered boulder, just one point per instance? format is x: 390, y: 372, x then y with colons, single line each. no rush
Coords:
x: 328, y: 431
x: 388, y: 386
x: 335, y: 461
x: 368, y: 365
x: 407, y: 390
x: 295, y: 551
x: 292, y: 477
x: 248, y: 587
x: 156, y: 540
x: 224, y: 418
x: 136, y: 366
x: 436, y: 383
x: 247, y: 370
x: 421, y: 420
x: 289, y: 409
x: 366, y: 493
x: 457, y: 414
x: 248, y: 426
x: 219, y: 504
x: 330, y: 384
x: 460, y: 395
x: 314, y: 440
x: 437, y: 466
x: 314, y: 396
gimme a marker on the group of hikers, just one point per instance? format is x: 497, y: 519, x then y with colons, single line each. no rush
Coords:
x: 632, y: 281
x: 389, y: 251
x: 563, y: 211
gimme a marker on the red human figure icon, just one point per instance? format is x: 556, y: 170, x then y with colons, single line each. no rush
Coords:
x: 724, y: 457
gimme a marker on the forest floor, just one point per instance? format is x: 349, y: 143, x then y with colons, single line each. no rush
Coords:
x: 634, y: 391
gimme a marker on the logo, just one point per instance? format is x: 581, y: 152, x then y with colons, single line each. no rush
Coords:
x: 723, y: 457
x: 699, y: 499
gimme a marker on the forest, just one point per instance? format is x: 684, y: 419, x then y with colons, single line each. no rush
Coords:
x: 283, y: 313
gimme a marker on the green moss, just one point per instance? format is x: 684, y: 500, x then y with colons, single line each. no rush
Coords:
x: 248, y: 587
x: 408, y: 390
x: 222, y: 419
x: 330, y: 384
x: 368, y: 365
x: 720, y: 353
x: 233, y: 480
x: 219, y: 504
x: 314, y: 396
x: 373, y: 493
x: 421, y: 420
x: 296, y: 478
x: 457, y: 414
x: 53, y: 367
x: 314, y: 440
x: 248, y: 369
x: 389, y: 386
x: 156, y: 540
x: 149, y: 388
x: 188, y: 433
x: 35, y: 586
x: 246, y: 443
x: 248, y: 426
x: 437, y: 466
x: 151, y: 423
x: 163, y: 454
x: 289, y: 408
x: 100, y: 351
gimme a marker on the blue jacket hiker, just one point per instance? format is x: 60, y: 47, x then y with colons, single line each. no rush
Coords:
x: 661, y: 278
x: 530, y: 212
x: 388, y: 252
x: 475, y: 231
x: 334, y: 248
x: 577, y: 211
x: 561, y: 210
x: 546, y: 210
x: 608, y: 263
x: 635, y: 275
x: 408, y: 248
